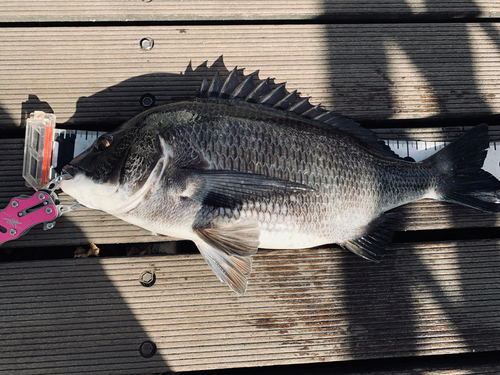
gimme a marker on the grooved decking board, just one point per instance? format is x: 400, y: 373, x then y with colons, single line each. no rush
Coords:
x: 86, y: 225
x: 441, y: 365
x: 217, y: 10
x: 91, y: 315
x: 96, y: 75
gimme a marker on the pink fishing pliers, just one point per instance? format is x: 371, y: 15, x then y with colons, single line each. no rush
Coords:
x: 24, y: 212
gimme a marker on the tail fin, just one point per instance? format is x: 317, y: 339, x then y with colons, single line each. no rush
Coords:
x: 461, y: 178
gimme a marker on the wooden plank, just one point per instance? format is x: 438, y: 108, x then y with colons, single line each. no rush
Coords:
x: 302, y: 306
x: 86, y: 225
x: 256, y: 10
x: 97, y: 75
x: 484, y: 363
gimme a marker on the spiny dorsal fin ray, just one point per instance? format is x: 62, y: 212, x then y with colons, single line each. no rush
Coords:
x: 237, y: 86
x: 325, y: 117
x: 202, y: 92
x: 287, y: 101
x: 313, y: 112
x: 230, y: 84
x: 262, y: 89
x: 244, y: 89
x: 301, y: 106
x: 215, y: 86
x: 273, y: 97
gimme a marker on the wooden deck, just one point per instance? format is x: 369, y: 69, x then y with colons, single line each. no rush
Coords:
x: 411, y: 69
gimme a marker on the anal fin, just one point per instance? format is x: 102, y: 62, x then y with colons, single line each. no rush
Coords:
x: 379, y: 233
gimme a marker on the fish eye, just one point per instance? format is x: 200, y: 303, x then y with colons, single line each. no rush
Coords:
x: 103, y: 142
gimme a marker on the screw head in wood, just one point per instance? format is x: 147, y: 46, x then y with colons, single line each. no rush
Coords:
x: 147, y: 278
x: 147, y: 43
x: 147, y: 349
x: 148, y: 100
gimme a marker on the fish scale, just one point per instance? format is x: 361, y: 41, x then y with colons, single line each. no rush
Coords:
x: 309, y: 219
x: 250, y: 165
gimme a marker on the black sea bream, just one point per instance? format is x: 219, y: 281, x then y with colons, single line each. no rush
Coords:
x: 248, y: 166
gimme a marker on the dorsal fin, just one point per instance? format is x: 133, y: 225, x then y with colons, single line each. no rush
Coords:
x: 301, y: 106
x: 262, y: 89
x: 230, y: 84
x: 245, y: 88
x: 287, y: 101
x: 215, y: 86
x: 237, y: 86
x: 274, y: 96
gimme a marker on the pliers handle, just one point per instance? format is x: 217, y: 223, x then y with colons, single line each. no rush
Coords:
x: 24, y: 212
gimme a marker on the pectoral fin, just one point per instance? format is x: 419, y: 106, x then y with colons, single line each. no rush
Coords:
x: 228, y: 250
x: 230, y: 189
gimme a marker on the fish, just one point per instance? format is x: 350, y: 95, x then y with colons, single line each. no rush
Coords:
x: 246, y: 164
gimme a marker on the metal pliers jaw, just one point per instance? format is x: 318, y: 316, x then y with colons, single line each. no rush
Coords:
x: 24, y: 212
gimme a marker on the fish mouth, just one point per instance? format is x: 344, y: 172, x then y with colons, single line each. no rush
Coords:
x: 71, y: 170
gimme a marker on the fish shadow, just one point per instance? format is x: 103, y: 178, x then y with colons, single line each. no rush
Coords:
x: 108, y: 108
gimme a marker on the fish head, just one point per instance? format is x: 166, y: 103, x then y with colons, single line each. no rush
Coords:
x: 116, y: 167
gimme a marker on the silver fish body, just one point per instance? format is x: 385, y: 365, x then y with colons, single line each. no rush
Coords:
x: 233, y: 176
